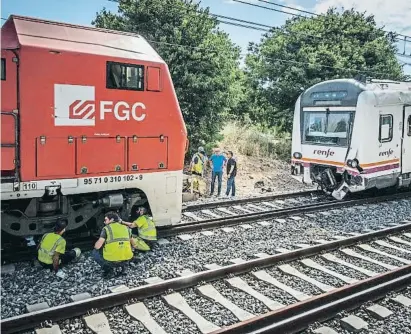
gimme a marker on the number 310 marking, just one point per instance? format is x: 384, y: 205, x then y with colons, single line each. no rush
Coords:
x: 30, y: 186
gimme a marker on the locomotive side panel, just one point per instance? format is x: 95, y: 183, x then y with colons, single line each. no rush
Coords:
x: 72, y: 101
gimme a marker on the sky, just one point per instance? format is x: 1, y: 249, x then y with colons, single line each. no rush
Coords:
x: 395, y: 15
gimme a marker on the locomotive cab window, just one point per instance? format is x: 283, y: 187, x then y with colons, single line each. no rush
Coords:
x: 125, y: 76
x: 386, y: 122
x: 3, y: 68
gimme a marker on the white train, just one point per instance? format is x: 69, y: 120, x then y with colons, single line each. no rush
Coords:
x: 349, y: 136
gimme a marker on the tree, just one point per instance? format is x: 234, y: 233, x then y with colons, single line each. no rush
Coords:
x: 305, y: 51
x: 203, y: 62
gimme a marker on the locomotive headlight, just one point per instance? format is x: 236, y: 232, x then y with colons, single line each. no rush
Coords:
x: 353, y: 163
x: 297, y: 155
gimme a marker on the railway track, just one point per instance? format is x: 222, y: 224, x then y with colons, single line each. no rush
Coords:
x: 223, y: 217
x: 231, y: 213
x: 286, y: 291
x: 224, y: 202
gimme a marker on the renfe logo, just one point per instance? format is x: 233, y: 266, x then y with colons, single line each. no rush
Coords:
x: 386, y: 153
x: 327, y: 154
x: 75, y: 105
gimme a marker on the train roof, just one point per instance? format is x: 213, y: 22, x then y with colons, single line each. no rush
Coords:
x: 385, y: 91
x: 20, y: 31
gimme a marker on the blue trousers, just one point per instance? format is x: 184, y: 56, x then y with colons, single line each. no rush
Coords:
x: 215, y: 175
x: 230, y: 186
x: 106, y: 265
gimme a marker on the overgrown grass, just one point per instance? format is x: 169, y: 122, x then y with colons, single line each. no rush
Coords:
x: 251, y: 140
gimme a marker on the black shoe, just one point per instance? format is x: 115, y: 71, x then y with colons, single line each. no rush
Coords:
x: 122, y: 271
x: 108, y: 273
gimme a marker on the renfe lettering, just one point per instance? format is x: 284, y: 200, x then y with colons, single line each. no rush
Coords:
x: 327, y: 154
x: 386, y: 153
x: 122, y: 110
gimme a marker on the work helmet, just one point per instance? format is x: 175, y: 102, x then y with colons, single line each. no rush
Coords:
x: 60, y: 225
x: 201, y: 149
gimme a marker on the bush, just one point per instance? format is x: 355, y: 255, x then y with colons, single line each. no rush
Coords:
x: 252, y: 140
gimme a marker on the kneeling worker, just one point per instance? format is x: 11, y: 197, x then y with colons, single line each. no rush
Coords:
x: 52, y: 250
x: 147, y: 233
x: 117, y: 241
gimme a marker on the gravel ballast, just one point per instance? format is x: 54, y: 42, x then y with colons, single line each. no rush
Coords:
x: 398, y: 322
x: 29, y: 285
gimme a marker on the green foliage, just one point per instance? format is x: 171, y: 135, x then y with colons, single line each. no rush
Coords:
x: 203, y: 62
x: 306, y: 51
x: 253, y: 140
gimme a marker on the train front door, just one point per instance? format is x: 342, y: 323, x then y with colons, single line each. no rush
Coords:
x: 406, y: 144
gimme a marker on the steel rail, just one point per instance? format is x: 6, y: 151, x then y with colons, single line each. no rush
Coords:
x: 34, y: 319
x: 201, y: 206
x: 297, y: 317
x: 234, y: 220
x: 168, y: 231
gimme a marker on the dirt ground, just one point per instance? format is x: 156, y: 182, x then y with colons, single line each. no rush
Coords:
x: 260, y: 176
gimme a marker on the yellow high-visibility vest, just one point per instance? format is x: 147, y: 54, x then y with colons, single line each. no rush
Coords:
x: 49, y: 244
x: 146, y: 228
x: 199, y: 166
x: 117, y: 246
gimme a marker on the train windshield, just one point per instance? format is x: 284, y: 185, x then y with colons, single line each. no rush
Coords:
x: 330, y: 128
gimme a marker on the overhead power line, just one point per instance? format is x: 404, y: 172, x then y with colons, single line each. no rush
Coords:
x: 287, y: 7
x: 298, y: 10
x: 260, y: 27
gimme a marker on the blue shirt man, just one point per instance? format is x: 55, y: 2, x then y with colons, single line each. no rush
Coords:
x: 217, y: 161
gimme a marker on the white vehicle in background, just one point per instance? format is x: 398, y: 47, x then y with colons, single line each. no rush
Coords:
x: 349, y: 136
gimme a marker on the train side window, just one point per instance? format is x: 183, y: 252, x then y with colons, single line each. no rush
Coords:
x: 409, y: 126
x: 125, y: 76
x: 386, y: 126
x: 3, y: 68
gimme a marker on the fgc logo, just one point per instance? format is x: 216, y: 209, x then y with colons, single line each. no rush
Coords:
x: 75, y: 105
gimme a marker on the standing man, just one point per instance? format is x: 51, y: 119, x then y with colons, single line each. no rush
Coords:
x: 147, y: 233
x: 117, y: 241
x: 217, y: 161
x: 52, y: 250
x: 231, y: 174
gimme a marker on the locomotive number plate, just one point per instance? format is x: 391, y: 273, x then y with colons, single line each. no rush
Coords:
x: 29, y: 186
x: 111, y: 179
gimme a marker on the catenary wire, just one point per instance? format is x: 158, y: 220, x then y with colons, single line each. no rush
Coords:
x: 303, y: 11
x: 260, y: 29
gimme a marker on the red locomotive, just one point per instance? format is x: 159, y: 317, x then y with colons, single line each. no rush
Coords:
x: 89, y: 122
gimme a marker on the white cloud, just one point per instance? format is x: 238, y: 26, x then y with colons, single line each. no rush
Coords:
x: 393, y: 14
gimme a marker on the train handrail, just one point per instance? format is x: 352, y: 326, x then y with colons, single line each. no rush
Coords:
x: 16, y: 146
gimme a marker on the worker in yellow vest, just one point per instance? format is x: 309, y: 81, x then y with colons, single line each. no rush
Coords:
x: 197, y: 168
x: 52, y: 252
x: 198, y: 162
x: 146, y: 235
x: 117, y: 243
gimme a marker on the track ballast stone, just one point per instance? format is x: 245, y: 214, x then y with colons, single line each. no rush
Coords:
x: 34, y: 285
x: 211, y: 311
